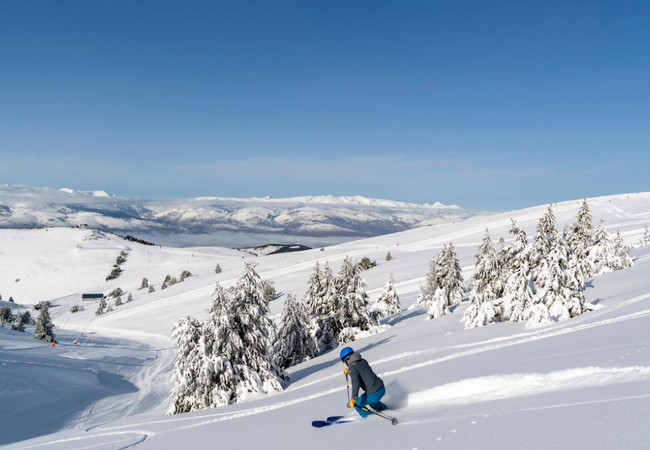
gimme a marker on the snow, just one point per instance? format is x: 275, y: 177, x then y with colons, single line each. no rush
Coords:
x: 217, y: 221
x: 577, y: 383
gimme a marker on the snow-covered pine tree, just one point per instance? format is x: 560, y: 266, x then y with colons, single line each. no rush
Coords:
x: 314, y: 294
x: 579, y: 238
x: 546, y: 236
x: 250, y: 320
x: 645, y: 239
x: 325, y: 326
x: 601, y: 256
x: 353, y: 313
x: 222, y: 378
x: 432, y: 295
x: 6, y: 315
x: 186, y: 334
x: 439, y: 303
x: 427, y: 291
x: 388, y: 302
x: 486, y: 286
x: 295, y: 343
x: 101, y: 307
x: 622, y: 251
x: 517, y: 277
x: 558, y: 293
x: 347, y: 272
x: 20, y: 321
x: 450, y: 275
x: 43, y: 330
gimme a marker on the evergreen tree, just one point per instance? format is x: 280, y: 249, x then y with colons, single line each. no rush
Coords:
x: 622, y: 251
x: 228, y: 356
x: 517, y: 277
x: 252, y: 324
x: 601, y: 257
x: 347, y: 273
x: 388, y: 302
x: 186, y: 334
x: 426, y: 291
x: 43, y: 330
x: 486, y: 286
x: 558, y: 293
x: 222, y: 377
x: 101, y: 307
x: 294, y: 344
x: 20, y: 321
x: 325, y: 325
x: 645, y: 240
x: 546, y: 236
x: 185, y: 274
x: 450, y: 276
x: 366, y: 263
x: 6, y: 315
x: 438, y: 305
x: 313, y: 296
x: 579, y: 238
x: 444, y: 285
x: 268, y: 288
x: 353, y: 314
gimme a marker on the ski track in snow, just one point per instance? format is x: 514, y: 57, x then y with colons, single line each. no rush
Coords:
x: 500, y: 387
x: 98, y: 440
x: 517, y: 340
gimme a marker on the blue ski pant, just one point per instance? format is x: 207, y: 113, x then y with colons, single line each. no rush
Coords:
x: 372, y: 400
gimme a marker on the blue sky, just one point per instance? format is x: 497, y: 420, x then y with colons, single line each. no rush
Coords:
x: 488, y: 105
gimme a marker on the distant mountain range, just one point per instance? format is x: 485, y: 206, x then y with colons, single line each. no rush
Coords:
x: 229, y: 222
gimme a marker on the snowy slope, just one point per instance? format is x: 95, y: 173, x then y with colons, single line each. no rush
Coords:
x: 581, y: 383
x: 230, y: 222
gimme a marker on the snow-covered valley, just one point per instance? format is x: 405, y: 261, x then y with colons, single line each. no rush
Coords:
x: 313, y: 221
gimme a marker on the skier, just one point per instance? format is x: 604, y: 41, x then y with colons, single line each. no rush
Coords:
x: 363, y: 377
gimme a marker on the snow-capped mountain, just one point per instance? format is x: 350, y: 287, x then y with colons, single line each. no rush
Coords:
x: 232, y: 222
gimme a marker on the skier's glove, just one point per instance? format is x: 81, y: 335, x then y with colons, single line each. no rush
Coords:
x: 351, y: 403
x: 346, y: 372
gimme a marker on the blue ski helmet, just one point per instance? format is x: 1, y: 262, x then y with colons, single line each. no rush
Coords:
x: 345, y: 353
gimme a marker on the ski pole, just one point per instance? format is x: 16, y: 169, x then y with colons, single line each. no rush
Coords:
x: 393, y: 420
x: 347, y: 385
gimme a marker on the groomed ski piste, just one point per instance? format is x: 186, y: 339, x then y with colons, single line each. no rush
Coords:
x: 578, y: 383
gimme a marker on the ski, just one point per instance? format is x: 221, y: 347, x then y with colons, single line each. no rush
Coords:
x: 332, y: 420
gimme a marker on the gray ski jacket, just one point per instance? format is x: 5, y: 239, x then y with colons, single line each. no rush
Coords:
x: 362, y: 376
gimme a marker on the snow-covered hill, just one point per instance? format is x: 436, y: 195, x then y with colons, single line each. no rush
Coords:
x: 580, y: 383
x: 231, y: 222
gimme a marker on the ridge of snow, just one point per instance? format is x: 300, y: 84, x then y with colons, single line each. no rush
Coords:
x: 309, y: 220
x: 328, y: 200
